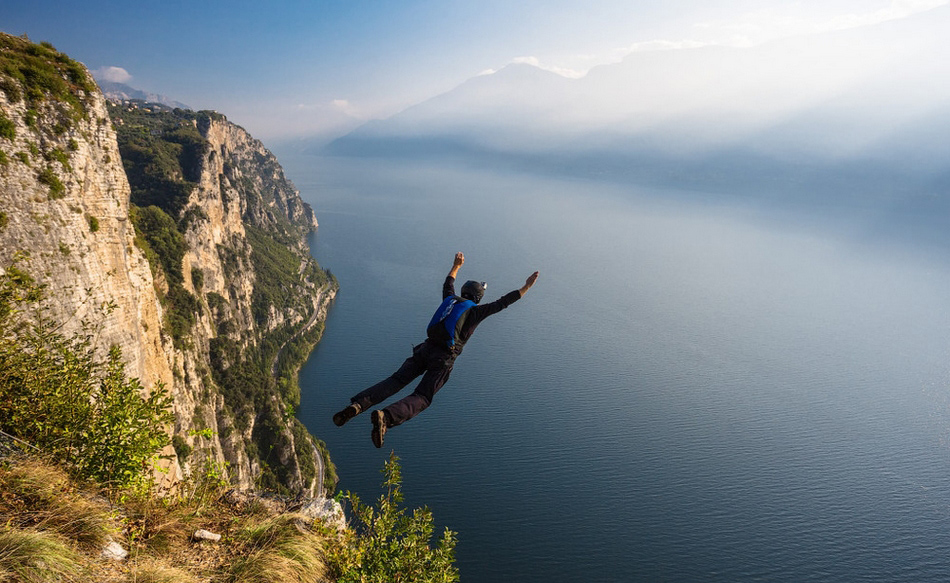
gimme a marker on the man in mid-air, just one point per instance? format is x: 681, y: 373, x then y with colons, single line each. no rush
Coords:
x: 448, y: 331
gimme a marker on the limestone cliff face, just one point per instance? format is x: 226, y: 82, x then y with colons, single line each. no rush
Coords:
x: 240, y: 185
x: 65, y: 207
x: 65, y: 199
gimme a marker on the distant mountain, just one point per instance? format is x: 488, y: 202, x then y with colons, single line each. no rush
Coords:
x: 851, y: 102
x: 122, y: 92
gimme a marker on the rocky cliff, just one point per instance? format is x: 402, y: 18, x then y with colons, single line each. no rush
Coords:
x: 199, y: 270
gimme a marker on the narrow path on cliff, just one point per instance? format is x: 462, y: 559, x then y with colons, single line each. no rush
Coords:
x: 313, y: 319
x: 317, y: 311
x: 319, y: 491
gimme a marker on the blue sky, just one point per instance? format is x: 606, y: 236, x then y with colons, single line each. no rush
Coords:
x: 293, y: 69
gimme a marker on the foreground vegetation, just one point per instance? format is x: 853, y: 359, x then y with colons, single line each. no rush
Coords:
x: 54, y: 529
x: 58, y: 395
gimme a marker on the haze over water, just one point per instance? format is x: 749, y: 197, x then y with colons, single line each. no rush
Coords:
x: 697, y: 388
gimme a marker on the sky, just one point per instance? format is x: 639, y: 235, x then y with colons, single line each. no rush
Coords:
x: 298, y: 69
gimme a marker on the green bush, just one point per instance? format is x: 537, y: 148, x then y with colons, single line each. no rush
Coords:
x: 215, y: 300
x: 182, y: 313
x: 58, y: 395
x: 56, y: 188
x: 7, y: 128
x: 61, y: 157
x: 161, y: 234
x: 392, y: 546
x: 182, y: 449
x: 197, y: 278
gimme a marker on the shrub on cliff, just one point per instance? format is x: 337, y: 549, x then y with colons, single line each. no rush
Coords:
x: 164, y: 246
x: 392, y: 546
x: 7, y: 128
x: 58, y: 395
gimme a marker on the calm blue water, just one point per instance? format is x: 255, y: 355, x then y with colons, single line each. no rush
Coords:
x: 691, y: 392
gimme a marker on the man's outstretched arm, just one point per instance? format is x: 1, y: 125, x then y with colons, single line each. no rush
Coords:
x: 448, y: 288
x: 480, y: 312
x: 459, y: 260
x: 528, y: 283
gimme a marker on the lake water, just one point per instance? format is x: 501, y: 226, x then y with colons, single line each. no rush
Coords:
x: 695, y: 390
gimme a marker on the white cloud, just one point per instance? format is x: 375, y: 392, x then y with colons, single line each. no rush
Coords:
x: 562, y: 71
x: 344, y: 106
x: 898, y: 9
x: 765, y: 24
x: 113, y: 74
x: 334, y: 108
x: 744, y: 30
x: 617, y: 55
x: 663, y: 45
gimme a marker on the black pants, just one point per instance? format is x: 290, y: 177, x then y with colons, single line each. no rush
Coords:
x: 432, y: 362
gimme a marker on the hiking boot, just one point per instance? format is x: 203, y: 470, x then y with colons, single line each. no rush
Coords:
x: 351, y: 411
x: 379, y: 428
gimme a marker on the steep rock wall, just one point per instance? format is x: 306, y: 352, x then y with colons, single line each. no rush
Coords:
x: 65, y: 212
x: 65, y: 202
x: 240, y: 185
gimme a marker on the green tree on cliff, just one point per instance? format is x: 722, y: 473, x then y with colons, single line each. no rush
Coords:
x: 58, y: 395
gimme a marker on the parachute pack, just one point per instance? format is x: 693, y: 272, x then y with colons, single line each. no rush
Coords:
x: 447, y: 321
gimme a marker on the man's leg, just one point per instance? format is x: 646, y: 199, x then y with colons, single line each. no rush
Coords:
x: 410, y: 369
x: 411, y: 405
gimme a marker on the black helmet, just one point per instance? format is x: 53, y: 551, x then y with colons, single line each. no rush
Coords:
x: 474, y: 290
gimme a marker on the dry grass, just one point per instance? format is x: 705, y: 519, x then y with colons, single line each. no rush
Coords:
x: 158, y: 573
x: 157, y: 527
x: 51, y: 521
x: 41, y: 496
x: 31, y: 556
x: 282, y: 549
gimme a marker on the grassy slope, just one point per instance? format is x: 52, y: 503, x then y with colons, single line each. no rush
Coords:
x: 53, y: 530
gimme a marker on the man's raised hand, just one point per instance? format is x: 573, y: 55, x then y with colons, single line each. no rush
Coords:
x: 528, y: 283
x: 459, y: 260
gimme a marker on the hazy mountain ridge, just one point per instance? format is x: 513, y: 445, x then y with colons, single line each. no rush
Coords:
x: 859, y: 102
x: 122, y: 92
